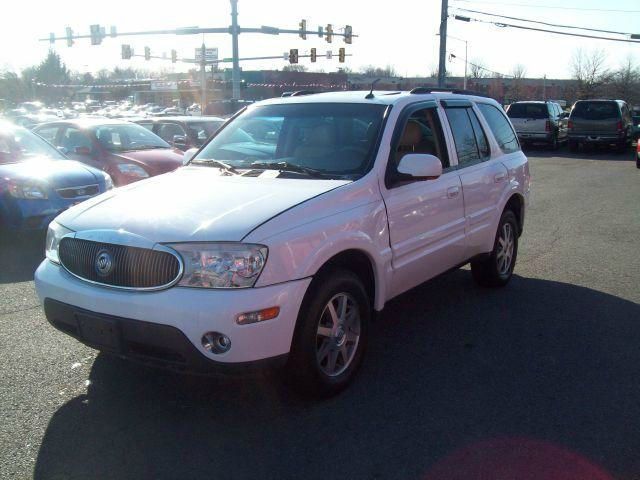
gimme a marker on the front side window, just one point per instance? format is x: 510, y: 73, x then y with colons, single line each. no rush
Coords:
x: 127, y: 137
x: 500, y: 127
x: 335, y: 140
x: 169, y: 130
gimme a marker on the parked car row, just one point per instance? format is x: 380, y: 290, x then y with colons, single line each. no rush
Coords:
x: 590, y: 122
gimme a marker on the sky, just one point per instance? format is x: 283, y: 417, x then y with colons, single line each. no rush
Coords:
x: 400, y: 33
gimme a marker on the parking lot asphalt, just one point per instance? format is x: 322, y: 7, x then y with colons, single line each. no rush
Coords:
x: 457, y: 378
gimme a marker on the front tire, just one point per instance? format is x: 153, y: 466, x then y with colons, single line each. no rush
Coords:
x: 331, y: 334
x: 496, y: 269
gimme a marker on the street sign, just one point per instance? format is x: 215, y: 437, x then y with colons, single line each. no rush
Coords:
x: 164, y: 86
x: 210, y: 55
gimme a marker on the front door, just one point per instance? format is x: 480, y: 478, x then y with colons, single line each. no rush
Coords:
x: 426, y: 218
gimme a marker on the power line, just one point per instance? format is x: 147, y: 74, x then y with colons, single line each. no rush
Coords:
x: 550, y: 6
x: 522, y: 27
x: 541, y: 22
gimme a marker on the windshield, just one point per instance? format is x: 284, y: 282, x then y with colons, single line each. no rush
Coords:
x: 528, y: 110
x: 17, y: 144
x: 203, y: 130
x: 595, y: 110
x: 337, y: 140
x: 127, y: 137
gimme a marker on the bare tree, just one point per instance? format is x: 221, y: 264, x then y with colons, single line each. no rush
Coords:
x: 294, y: 68
x: 625, y: 82
x: 476, y: 70
x: 590, y: 70
x: 516, y: 89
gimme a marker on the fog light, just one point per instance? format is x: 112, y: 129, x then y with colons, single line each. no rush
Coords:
x: 259, y: 316
x: 216, y: 342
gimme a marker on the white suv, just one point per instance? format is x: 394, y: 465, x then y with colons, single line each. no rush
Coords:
x: 279, y: 240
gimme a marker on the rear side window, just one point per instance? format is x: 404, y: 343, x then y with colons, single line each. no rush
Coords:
x: 500, y: 127
x: 470, y: 140
x: 595, y: 110
x: 528, y: 110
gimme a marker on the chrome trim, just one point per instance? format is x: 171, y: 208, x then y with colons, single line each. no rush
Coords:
x: 156, y: 246
x: 97, y: 185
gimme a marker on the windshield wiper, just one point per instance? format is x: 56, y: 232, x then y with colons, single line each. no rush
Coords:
x: 289, y: 167
x: 219, y: 164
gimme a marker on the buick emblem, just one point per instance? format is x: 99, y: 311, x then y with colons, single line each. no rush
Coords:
x: 104, y: 263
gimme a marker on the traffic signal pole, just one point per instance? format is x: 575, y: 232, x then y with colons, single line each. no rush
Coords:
x: 203, y: 80
x: 442, y: 68
x: 235, y: 32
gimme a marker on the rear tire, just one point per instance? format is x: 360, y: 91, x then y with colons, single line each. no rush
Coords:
x: 573, y: 146
x: 331, y: 334
x: 496, y: 269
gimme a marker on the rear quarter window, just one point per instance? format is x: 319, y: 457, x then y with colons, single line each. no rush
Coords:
x: 500, y: 127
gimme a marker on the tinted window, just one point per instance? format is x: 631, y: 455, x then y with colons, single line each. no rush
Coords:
x: 481, y: 138
x: 168, y: 130
x: 500, y: 127
x: 464, y: 135
x: 528, y: 110
x: 422, y: 133
x: 595, y: 110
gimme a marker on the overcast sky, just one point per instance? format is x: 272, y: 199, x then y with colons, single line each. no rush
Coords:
x: 399, y: 33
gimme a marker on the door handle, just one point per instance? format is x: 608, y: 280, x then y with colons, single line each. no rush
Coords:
x: 499, y: 177
x: 453, y: 192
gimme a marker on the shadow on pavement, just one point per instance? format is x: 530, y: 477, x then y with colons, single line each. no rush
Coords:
x: 20, y: 256
x: 584, y: 153
x: 449, y: 365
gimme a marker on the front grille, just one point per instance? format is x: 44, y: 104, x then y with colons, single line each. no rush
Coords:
x: 79, y: 192
x: 129, y: 267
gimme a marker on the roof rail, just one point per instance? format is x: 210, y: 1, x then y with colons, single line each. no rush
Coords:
x: 456, y: 91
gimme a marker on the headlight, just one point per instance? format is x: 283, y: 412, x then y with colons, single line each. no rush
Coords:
x: 132, y: 170
x: 28, y: 191
x: 54, y: 234
x: 108, y: 182
x: 221, y: 265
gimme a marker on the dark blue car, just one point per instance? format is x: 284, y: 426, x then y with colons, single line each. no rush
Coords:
x: 37, y: 182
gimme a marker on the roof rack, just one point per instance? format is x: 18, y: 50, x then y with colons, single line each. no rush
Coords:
x: 455, y: 91
x: 298, y: 93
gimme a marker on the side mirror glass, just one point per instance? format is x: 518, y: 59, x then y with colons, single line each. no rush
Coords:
x: 82, y: 151
x: 188, y: 155
x: 420, y: 166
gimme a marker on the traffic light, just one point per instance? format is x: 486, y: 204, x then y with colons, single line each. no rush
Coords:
x: 313, y: 55
x: 293, y: 55
x: 147, y: 53
x: 348, y: 34
x: 174, y: 56
x: 303, y: 29
x: 96, y: 34
x: 69, y: 37
x: 329, y: 33
x: 126, y: 52
x: 341, y: 54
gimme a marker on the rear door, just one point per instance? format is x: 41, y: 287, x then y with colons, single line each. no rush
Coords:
x: 595, y: 118
x: 483, y: 177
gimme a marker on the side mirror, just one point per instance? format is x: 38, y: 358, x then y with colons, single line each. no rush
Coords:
x: 188, y: 155
x: 179, y: 140
x: 82, y: 151
x: 420, y: 166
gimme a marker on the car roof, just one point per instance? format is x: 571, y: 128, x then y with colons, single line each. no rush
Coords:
x: 90, y: 122
x: 359, y: 96
x: 185, y: 119
x: 535, y: 101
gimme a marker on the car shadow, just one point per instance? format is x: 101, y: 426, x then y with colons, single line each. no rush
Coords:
x: 448, y: 364
x: 20, y: 256
x: 584, y: 153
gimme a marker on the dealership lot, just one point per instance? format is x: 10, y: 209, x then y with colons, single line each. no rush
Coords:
x: 554, y: 357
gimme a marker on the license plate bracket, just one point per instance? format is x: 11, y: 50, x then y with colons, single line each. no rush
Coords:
x: 98, y: 331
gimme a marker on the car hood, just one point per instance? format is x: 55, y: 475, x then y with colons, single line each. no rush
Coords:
x: 194, y: 204
x: 55, y: 173
x: 158, y: 160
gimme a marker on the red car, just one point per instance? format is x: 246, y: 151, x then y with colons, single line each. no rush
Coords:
x: 126, y: 151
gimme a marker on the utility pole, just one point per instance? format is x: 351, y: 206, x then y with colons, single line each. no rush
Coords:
x: 235, y: 31
x: 443, y: 44
x: 466, y: 47
x: 544, y: 87
x: 203, y: 80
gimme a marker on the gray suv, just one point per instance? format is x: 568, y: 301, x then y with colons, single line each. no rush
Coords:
x: 601, y: 122
x: 539, y: 122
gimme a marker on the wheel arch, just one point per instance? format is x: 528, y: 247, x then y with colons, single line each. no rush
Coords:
x: 516, y: 203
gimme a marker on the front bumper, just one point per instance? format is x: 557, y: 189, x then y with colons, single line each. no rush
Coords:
x: 171, y: 317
